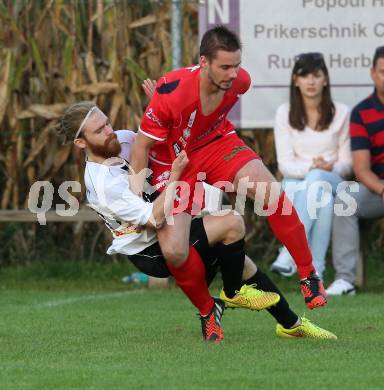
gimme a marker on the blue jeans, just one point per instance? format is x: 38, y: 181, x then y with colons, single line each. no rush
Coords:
x: 314, y: 205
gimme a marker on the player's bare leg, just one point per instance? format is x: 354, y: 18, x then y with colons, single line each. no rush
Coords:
x: 226, y: 228
x: 285, y: 224
x: 174, y: 239
x: 250, y: 268
x: 257, y: 172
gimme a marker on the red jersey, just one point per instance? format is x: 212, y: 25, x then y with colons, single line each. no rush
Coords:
x: 175, y: 118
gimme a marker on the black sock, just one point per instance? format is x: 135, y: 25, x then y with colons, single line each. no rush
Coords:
x: 282, y: 312
x: 231, y: 259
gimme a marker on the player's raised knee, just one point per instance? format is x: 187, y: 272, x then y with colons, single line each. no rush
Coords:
x: 174, y: 254
x: 235, y: 227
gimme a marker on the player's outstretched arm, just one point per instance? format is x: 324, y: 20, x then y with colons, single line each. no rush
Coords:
x: 139, y: 161
x: 164, y: 201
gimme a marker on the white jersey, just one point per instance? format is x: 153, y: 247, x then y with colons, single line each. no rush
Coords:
x: 124, y: 213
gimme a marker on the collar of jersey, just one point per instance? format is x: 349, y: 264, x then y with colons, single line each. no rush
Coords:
x: 123, y: 165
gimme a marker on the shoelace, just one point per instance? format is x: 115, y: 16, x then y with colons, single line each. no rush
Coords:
x: 313, y: 284
x: 249, y: 288
x: 312, y: 325
x: 306, y: 320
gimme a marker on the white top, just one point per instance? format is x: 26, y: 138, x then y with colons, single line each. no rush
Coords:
x: 124, y: 213
x: 296, y: 149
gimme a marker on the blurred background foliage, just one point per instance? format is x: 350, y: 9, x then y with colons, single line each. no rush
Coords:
x: 56, y: 52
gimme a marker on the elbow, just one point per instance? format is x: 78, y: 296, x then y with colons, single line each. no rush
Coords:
x: 361, y: 174
x: 157, y: 222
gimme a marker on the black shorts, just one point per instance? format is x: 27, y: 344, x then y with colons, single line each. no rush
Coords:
x: 151, y: 260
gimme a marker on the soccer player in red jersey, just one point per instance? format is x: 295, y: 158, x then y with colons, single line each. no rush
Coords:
x: 188, y: 111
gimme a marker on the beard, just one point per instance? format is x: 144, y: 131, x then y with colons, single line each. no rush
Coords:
x: 110, y: 148
x: 218, y: 84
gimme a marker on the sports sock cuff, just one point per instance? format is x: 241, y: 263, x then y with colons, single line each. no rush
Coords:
x: 305, y: 271
x: 235, y: 246
x: 231, y: 259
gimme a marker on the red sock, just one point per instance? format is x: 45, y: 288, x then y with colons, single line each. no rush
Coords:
x: 290, y: 231
x: 190, y: 277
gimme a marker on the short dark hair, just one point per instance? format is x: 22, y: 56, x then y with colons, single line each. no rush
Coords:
x: 218, y: 38
x: 379, y: 53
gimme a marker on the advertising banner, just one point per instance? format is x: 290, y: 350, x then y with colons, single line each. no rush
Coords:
x: 273, y: 32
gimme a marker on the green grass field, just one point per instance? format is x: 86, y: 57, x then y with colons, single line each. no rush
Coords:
x: 96, y: 336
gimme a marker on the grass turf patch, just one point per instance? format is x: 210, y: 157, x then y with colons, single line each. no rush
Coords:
x: 66, y: 274
x: 151, y: 339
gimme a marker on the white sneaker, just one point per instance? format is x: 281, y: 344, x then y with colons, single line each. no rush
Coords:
x: 284, y: 264
x: 341, y: 287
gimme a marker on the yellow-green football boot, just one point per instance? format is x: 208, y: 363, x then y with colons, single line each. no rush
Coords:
x: 305, y: 329
x: 249, y: 297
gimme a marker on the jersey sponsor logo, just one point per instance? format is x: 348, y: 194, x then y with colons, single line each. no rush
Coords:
x: 164, y: 176
x: 209, y: 131
x: 150, y: 115
x: 183, y: 141
x: 236, y: 149
x: 186, y: 133
x: 201, y: 136
x: 176, y: 148
x: 192, y: 119
x: 187, y: 130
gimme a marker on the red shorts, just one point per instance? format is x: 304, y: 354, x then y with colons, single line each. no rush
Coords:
x: 216, y: 163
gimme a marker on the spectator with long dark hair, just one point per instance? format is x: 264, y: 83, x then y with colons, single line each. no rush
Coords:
x: 313, y: 154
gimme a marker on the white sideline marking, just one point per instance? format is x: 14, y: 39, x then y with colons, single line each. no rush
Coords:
x: 69, y: 301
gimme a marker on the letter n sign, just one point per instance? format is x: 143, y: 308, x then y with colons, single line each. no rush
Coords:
x: 218, y: 11
x: 215, y: 12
